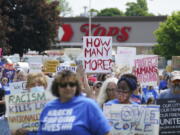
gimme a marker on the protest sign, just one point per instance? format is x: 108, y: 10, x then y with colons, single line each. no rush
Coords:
x: 64, y: 67
x: 50, y: 66
x: 18, y: 87
x: 35, y: 67
x: 146, y: 69
x: 24, y: 109
x: 121, y: 58
x: 169, y: 116
x: 97, y: 53
x: 133, y: 119
x: 176, y: 62
x: 161, y: 62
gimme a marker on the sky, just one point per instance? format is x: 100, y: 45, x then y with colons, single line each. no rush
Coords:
x: 163, y: 7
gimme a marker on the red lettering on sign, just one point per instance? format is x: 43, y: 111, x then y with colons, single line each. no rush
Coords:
x: 98, y: 64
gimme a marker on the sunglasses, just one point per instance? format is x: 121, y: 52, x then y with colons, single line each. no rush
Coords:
x: 64, y: 85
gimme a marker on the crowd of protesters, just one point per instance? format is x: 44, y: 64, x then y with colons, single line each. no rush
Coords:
x: 80, y: 98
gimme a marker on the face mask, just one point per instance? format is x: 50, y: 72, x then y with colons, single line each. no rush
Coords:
x: 37, y: 89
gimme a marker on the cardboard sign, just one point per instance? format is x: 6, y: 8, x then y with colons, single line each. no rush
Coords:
x: 50, y: 66
x: 169, y: 116
x: 146, y: 69
x: 97, y: 53
x: 133, y: 119
x: 18, y: 87
x: 24, y: 110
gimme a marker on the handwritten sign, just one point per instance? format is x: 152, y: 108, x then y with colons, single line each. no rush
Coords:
x: 133, y: 119
x: 24, y: 109
x: 18, y: 87
x: 97, y: 53
x: 146, y: 69
x: 169, y: 116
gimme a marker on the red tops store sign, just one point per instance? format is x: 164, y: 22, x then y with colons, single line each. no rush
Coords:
x: 120, y: 33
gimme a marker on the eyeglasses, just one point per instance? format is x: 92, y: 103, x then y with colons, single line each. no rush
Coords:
x: 64, y: 85
x: 122, y: 91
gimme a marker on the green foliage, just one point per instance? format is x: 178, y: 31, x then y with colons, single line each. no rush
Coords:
x: 137, y: 9
x: 64, y: 8
x: 110, y: 12
x: 32, y: 23
x: 168, y: 37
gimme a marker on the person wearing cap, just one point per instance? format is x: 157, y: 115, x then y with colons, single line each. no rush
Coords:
x: 174, y: 87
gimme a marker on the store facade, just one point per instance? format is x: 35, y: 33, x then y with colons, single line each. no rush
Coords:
x: 125, y: 31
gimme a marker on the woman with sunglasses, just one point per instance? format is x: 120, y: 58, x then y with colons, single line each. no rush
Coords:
x: 71, y: 113
x: 126, y: 85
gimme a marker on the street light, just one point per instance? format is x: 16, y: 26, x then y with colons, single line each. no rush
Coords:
x: 89, y: 17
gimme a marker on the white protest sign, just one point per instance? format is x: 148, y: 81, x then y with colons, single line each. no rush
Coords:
x: 97, y: 53
x: 18, y: 87
x: 24, y: 109
x: 133, y: 119
x: 35, y: 67
x: 146, y: 69
x: 61, y: 68
x: 125, y: 57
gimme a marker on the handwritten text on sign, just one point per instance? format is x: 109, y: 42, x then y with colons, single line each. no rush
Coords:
x: 97, y: 54
x: 133, y: 119
x: 146, y: 69
x: 24, y: 109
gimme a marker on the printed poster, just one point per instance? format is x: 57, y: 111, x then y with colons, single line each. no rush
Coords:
x: 125, y: 58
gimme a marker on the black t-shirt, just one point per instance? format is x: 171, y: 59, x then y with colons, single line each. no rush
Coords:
x: 2, y: 106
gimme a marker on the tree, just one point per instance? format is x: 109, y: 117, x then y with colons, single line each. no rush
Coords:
x: 168, y: 37
x: 137, y: 9
x: 94, y: 12
x: 33, y: 24
x: 4, y: 30
x: 110, y: 12
x: 63, y: 7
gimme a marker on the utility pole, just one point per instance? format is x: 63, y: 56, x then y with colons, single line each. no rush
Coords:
x: 90, y: 18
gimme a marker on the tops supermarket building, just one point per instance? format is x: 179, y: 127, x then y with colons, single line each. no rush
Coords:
x: 125, y: 31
